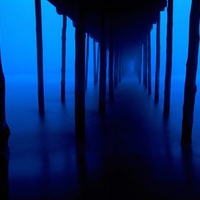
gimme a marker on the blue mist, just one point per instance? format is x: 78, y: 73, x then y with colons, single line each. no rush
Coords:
x: 18, y: 47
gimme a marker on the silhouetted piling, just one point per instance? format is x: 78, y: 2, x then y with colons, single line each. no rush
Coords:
x: 39, y: 56
x: 94, y: 63
x: 167, y: 92
x: 102, y: 83
x: 120, y: 67
x: 87, y: 60
x: 116, y: 65
x: 139, y: 62
x: 149, y: 62
x: 111, y: 49
x: 145, y: 63
x: 80, y: 72
x: 157, y: 75
x: 63, y: 68
x: 98, y: 62
x: 191, y: 70
x: 4, y: 135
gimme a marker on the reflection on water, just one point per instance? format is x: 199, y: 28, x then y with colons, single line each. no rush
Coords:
x: 129, y: 149
x: 4, y: 163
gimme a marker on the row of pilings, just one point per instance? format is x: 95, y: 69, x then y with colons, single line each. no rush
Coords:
x: 81, y: 66
x: 144, y: 53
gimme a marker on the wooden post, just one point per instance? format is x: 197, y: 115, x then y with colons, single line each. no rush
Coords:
x: 4, y: 135
x: 102, y: 83
x: 87, y: 60
x: 191, y: 70
x: 94, y: 62
x: 139, y: 62
x: 116, y: 65
x: 157, y: 75
x: 168, y: 73
x: 149, y: 62
x: 98, y: 63
x: 39, y: 56
x: 63, y: 68
x: 145, y: 67
x: 80, y: 73
x: 120, y: 67
x: 111, y: 49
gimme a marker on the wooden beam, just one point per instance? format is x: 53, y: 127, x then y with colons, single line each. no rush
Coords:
x: 38, y: 15
x: 191, y: 70
x: 167, y: 91
x: 80, y: 73
x: 157, y: 75
x: 63, y: 68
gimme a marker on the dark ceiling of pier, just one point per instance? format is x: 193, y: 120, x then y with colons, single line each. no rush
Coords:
x: 131, y: 20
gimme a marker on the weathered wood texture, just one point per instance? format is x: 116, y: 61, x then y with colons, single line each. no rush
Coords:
x: 191, y: 70
x: 168, y: 73
x: 38, y: 15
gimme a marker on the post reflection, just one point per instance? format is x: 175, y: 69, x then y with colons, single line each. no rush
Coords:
x: 4, y: 163
x: 81, y: 170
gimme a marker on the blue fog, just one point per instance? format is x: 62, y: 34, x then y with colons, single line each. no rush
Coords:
x: 18, y: 48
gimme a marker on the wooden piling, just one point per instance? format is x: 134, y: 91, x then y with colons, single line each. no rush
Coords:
x: 191, y: 70
x: 39, y: 56
x: 87, y: 60
x: 145, y: 67
x: 80, y: 73
x: 116, y: 65
x: 98, y: 63
x: 63, y: 68
x: 120, y: 67
x: 157, y: 75
x: 167, y: 91
x: 102, y: 83
x: 149, y: 62
x: 94, y: 62
x: 111, y: 51
x: 4, y: 135
x: 140, y: 63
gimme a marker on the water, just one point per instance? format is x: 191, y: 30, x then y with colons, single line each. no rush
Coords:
x: 132, y: 140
